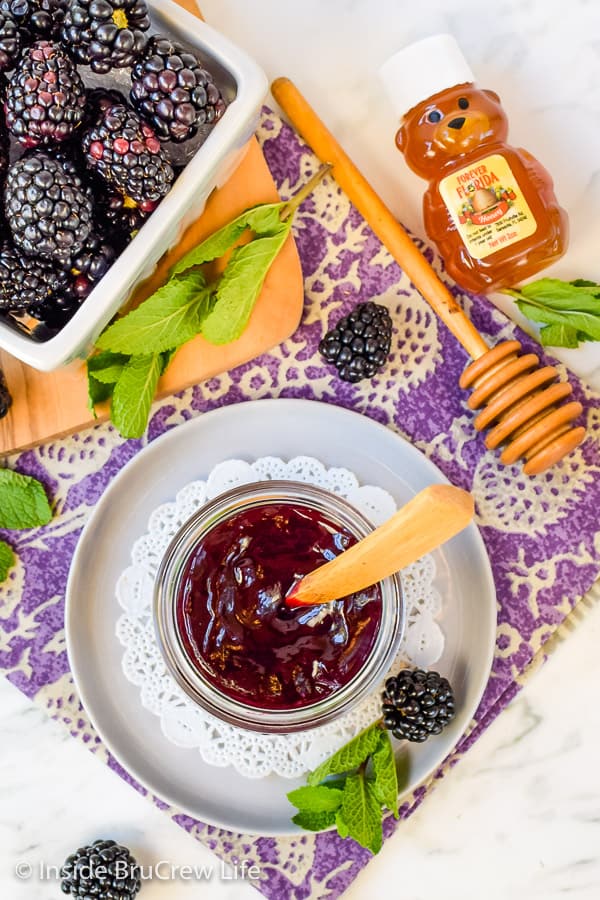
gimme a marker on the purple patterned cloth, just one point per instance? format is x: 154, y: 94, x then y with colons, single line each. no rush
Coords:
x: 541, y: 533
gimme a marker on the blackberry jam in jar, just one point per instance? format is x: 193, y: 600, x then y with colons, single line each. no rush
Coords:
x: 228, y: 636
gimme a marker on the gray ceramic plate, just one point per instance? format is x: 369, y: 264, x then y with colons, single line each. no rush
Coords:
x: 283, y: 428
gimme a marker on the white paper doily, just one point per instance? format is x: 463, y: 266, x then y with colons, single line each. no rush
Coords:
x: 186, y: 724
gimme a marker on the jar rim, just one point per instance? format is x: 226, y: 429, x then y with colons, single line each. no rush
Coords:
x: 190, y: 679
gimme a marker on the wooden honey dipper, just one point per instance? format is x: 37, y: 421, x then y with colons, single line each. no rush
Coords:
x: 520, y: 402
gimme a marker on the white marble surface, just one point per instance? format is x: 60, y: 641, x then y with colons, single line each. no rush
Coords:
x: 520, y: 815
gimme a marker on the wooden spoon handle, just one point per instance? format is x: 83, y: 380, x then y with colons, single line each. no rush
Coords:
x: 432, y: 517
x: 379, y: 216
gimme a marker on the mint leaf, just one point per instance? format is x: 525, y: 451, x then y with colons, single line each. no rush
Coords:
x: 560, y: 295
x: 341, y: 824
x: 584, y: 283
x: 262, y: 219
x: 165, y: 359
x: 110, y: 375
x: 587, y: 323
x: 23, y: 501
x: 107, y: 366
x: 7, y: 560
x: 133, y: 394
x: 559, y: 336
x: 103, y: 371
x: 97, y: 393
x: 350, y: 756
x: 316, y: 799
x: 385, y: 785
x: 361, y: 811
x: 314, y: 821
x: 240, y: 285
x: 166, y: 320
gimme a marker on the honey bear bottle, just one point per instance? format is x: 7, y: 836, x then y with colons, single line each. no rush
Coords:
x: 489, y: 207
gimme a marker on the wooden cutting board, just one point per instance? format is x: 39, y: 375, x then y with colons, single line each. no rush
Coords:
x: 53, y: 404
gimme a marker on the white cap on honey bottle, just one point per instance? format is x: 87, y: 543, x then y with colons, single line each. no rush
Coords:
x: 423, y: 69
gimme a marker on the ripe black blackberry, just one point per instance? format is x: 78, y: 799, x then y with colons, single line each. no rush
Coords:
x: 47, y: 208
x: 173, y: 92
x: 127, y: 154
x: 91, y: 264
x: 10, y: 42
x: 54, y: 313
x: 5, y: 397
x: 45, y: 98
x: 121, y: 218
x: 36, y: 18
x: 106, y: 34
x: 26, y: 283
x: 417, y: 704
x: 360, y: 343
x: 98, y: 100
x: 104, y: 871
x: 4, y: 157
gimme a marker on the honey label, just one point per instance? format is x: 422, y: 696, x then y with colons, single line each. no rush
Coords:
x: 487, y: 206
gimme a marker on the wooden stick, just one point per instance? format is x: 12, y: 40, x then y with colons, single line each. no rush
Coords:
x: 378, y: 215
x: 432, y: 517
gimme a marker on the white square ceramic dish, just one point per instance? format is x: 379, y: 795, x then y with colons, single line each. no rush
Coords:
x: 244, y: 85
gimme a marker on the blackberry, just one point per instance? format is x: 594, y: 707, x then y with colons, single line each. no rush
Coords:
x: 25, y: 283
x: 47, y: 208
x: 10, y: 42
x: 172, y: 90
x: 106, y: 34
x: 360, y: 343
x: 98, y: 100
x: 47, y: 18
x: 127, y: 155
x: 104, y: 871
x: 4, y: 155
x: 91, y: 264
x: 122, y: 218
x: 54, y: 312
x: 36, y: 18
x: 45, y: 98
x: 417, y: 704
x: 5, y: 398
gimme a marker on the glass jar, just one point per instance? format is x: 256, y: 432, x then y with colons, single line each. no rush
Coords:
x: 191, y: 679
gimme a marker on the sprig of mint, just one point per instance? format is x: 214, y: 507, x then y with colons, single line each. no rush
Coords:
x: 137, y: 348
x: 167, y: 319
x: 568, y: 310
x: 350, y: 788
x: 7, y: 560
x: 23, y: 501
x: 23, y: 504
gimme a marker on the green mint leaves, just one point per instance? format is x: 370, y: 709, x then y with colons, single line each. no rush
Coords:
x: 136, y: 349
x: 133, y: 394
x: 23, y: 501
x: 166, y: 320
x: 262, y: 220
x: 366, y: 781
x: 130, y: 363
x: 350, y: 756
x: 321, y: 798
x: 569, y: 311
x: 385, y: 784
x: 361, y: 813
x: 240, y: 285
x: 7, y: 560
x: 23, y: 504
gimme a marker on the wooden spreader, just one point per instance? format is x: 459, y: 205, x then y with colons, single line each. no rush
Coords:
x: 430, y: 519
